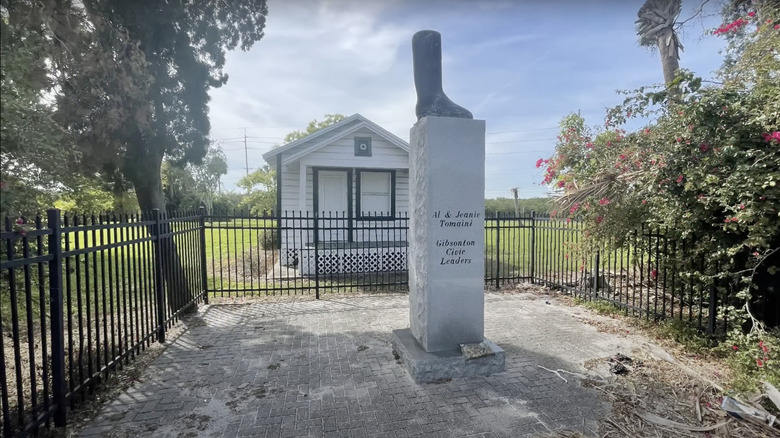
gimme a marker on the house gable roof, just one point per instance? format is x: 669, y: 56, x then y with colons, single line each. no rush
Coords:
x: 303, y: 146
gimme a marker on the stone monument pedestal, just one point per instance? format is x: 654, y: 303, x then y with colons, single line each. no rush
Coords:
x: 425, y: 367
x: 447, y: 253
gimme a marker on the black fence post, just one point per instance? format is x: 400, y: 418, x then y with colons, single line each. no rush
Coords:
x: 158, y: 277
x: 278, y: 209
x: 498, y: 251
x: 316, y: 256
x: 713, y: 310
x: 533, y: 246
x: 203, y: 277
x: 56, y: 311
x: 595, y: 273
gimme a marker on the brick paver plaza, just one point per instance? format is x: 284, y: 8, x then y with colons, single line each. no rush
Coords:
x: 326, y: 368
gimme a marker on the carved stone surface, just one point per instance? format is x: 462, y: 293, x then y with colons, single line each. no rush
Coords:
x: 426, y: 367
x: 447, y: 233
x: 431, y: 100
x: 474, y: 351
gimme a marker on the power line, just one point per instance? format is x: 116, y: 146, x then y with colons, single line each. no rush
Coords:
x: 249, y: 141
x: 248, y: 136
x: 267, y: 138
x: 510, y: 192
x: 241, y: 148
x: 246, y: 156
x: 516, y: 152
x: 521, y: 141
x: 234, y: 178
x: 522, y: 130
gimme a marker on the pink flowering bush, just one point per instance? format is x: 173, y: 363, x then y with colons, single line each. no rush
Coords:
x: 754, y: 358
x: 773, y: 137
x: 736, y: 24
x: 706, y: 166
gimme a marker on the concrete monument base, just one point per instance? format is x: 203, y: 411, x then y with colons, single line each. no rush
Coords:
x: 448, y: 364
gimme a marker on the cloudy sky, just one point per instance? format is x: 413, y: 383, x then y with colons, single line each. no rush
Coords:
x: 519, y: 65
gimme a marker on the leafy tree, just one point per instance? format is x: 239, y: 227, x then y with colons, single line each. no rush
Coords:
x: 227, y: 201
x: 313, y: 127
x: 179, y: 187
x: 191, y: 186
x: 506, y: 206
x: 260, y: 186
x: 207, y: 175
x: 735, y: 30
x: 88, y: 195
x: 126, y: 81
x: 655, y: 26
x: 705, y: 167
x: 31, y: 159
x: 52, y: 50
x: 183, y: 45
x: 130, y: 80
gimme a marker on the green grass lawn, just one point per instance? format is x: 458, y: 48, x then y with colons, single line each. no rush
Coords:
x: 223, y: 239
x: 557, y: 251
x: 238, y: 252
x: 229, y: 239
x: 509, y: 243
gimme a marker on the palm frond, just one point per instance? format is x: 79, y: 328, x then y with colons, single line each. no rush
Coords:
x: 609, y: 185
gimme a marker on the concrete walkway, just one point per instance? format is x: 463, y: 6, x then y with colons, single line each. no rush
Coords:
x: 325, y: 368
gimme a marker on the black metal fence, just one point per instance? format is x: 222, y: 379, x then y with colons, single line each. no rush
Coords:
x: 648, y: 274
x: 81, y: 295
x: 300, y: 253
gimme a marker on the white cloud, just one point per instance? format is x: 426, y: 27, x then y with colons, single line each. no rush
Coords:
x: 312, y: 61
x: 521, y: 66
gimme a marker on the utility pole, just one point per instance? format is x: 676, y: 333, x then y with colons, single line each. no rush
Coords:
x: 514, y: 192
x: 246, y: 154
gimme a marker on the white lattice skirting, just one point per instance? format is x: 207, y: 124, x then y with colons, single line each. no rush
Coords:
x: 289, y: 256
x: 353, y: 260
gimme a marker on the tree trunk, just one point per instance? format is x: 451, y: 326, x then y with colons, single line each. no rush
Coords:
x: 670, y: 64
x: 147, y: 181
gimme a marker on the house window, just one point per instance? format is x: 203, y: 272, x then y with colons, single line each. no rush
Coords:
x: 376, y: 194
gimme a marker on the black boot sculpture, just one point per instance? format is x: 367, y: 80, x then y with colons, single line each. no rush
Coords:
x: 431, y: 100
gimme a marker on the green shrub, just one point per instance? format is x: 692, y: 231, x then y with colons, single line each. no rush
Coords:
x: 269, y: 239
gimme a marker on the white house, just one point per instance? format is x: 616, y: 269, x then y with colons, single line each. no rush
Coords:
x: 354, y: 175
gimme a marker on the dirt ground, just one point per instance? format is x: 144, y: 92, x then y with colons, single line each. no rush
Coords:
x: 665, y: 395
